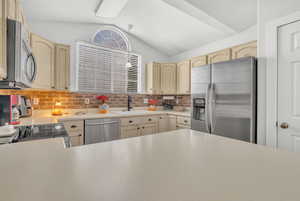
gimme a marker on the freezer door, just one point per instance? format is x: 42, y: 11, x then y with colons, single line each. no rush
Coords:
x: 233, y: 99
x: 201, y: 79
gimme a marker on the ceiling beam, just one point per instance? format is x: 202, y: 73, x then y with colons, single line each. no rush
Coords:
x: 200, y: 15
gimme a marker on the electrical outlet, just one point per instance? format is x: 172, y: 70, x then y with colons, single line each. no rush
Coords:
x: 146, y: 100
x: 87, y: 101
x: 36, y: 101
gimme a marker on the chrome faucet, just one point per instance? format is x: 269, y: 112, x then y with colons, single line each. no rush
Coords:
x: 129, y: 102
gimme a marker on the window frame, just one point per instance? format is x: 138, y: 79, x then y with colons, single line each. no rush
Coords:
x: 116, y: 30
x: 93, y: 45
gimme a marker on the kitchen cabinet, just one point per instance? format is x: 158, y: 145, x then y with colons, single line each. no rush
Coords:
x: 130, y: 131
x: 245, y: 50
x: 184, y: 77
x: 62, y: 67
x: 3, y: 14
x: 148, y: 129
x: 168, y: 78
x: 12, y: 6
x: 75, y: 130
x: 220, y: 56
x: 153, y: 78
x: 163, y: 124
x: 44, y: 51
x: 198, y: 61
x: 183, y: 122
x: 172, y: 122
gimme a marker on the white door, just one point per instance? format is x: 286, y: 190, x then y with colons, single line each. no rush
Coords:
x: 289, y: 87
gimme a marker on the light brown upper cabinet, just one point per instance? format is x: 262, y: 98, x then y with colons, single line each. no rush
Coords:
x: 245, y: 50
x: 3, y: 69
x: 12, y: 9
x: 62, y: 67
x: 223, y: 55
x: 199, y: 61
x: 153, y: 78
x: 168, y: 78
x: 44, y: 52
x: 183, y: 77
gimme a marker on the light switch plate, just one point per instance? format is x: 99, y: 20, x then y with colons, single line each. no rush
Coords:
x: 36, y: 101
x: 86, y: 101
x: 146, y: 100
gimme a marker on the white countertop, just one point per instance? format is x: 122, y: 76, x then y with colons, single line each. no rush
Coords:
x: 182, y: 165
x: 47, y: 118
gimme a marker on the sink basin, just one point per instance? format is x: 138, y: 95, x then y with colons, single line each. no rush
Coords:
x: 134, y: 112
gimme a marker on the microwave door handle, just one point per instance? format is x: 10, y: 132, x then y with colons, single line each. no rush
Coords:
x: 34, y: 67
x: 207, y: 103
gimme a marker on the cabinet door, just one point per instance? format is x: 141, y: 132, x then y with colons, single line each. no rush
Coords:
x: 43, y: 51
x: 130, y: 131
x: 148, y: 129
x: 153, y: 78
x: 223, y: 55
x: 3, y: 69
x: 172, y: 122
x: 199, y: 61
x: 245, y: 50
x: 183, y: 77
x: 12, y: 9
x: 163, y: 124
x: 168, y: 78
x: 62, y: 67
x: 76, y: 140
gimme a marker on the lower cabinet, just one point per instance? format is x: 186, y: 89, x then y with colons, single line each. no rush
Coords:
x: 130, y: 131
x: 172, y: 122
x: 75, y: 130
x: 76, y: 140
x: 163, y: 124
x: 148, y: 129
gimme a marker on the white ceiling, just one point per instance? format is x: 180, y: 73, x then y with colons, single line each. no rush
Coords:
x: 171, y: 26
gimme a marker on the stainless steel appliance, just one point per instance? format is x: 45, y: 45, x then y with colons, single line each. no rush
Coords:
x: 101, y: 130
x: 224, y: 99
x: 21, y: 65
x: 9, y: 109
x: 39, y: 132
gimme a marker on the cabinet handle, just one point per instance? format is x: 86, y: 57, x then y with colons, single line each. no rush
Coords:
x: 185, y: 121
x: 149, y: 119
x: 130, y: 121
x: 73, y: 126
x: 160, y: 118
x: 138, y: 128
x: 79, y: 135
x: 143, y: 127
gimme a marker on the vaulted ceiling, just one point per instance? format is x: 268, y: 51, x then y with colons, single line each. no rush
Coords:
x: 171, y: 26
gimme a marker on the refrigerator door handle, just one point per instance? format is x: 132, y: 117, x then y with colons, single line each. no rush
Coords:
x: 207, y: 108
x: 212, y: 108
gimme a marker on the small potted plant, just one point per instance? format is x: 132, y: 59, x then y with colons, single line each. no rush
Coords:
x: 103, y: 108
x: 152, y: 104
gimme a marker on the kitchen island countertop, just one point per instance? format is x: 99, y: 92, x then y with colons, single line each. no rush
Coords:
x: 181, y: 165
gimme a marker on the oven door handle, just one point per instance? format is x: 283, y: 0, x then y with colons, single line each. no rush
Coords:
x: 34, y: 67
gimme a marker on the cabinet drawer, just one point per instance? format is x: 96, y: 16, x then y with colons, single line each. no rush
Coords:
x: 183, y: 120
x: 74, y: 127
x: 149, y: 119
x: 130, y: 121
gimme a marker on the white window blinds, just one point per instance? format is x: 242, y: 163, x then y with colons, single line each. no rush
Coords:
x: 103, y: 70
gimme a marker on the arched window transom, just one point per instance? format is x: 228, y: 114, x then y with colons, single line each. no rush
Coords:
x: 111, y: 38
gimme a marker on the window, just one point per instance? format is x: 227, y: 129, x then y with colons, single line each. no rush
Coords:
x: 111, y: 38
x: 103, y: 70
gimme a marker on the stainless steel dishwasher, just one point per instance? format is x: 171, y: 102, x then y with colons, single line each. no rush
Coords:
x: 101, y: 130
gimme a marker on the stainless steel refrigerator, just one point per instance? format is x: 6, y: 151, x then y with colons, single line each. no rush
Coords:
x: 224, y: 99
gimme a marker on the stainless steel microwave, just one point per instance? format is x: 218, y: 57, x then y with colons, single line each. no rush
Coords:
x: 21, y: 65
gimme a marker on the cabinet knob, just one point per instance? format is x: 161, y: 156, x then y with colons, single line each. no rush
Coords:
x: 138, y: 128
x: 79, y: 135
x: 185, y: 121
x: 73, y: 126
x: 284, y: 125
x: 149, y: 119
x: 130, y: 121
x: 143, y: 127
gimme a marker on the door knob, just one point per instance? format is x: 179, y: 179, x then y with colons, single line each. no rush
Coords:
x: 284, y: 125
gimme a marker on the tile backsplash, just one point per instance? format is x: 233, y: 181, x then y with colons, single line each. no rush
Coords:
x: 71, y: 100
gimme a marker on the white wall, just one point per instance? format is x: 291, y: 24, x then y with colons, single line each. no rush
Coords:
x: 69, y: 33
x: 268, y: 10
x: 240, y: 38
